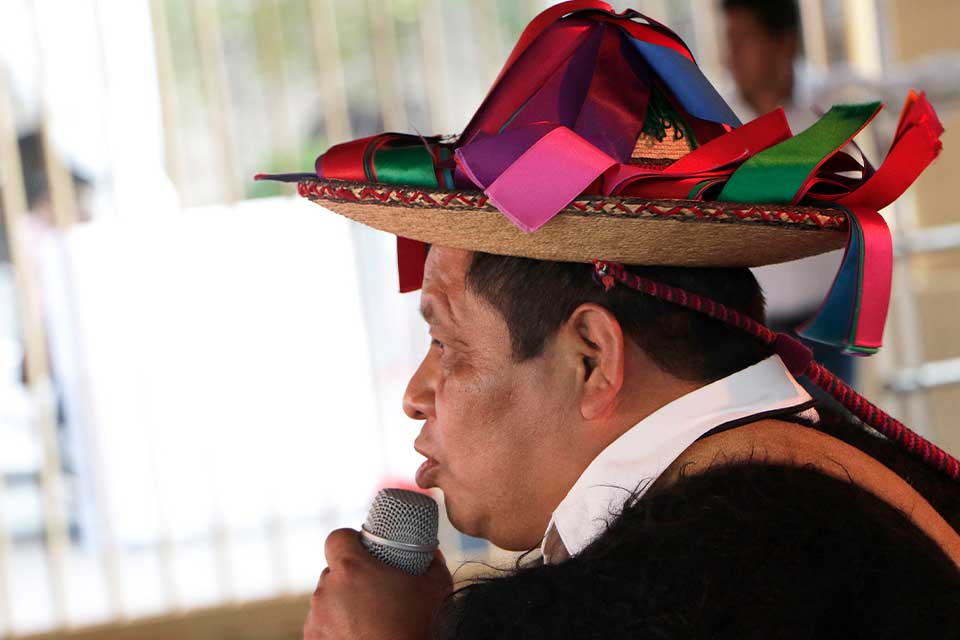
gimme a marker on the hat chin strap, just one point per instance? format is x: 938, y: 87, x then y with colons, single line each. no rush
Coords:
x: 797, y: 357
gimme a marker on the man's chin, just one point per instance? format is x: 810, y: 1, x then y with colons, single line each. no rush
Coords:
x: 461, y: 519
x: 462, y: 524
x: 480, y: 528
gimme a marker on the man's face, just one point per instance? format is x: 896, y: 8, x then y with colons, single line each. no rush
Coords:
x: 757, y: 59
x: 491, y: 424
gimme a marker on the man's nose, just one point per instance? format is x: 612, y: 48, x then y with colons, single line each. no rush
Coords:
x: 418, y: 398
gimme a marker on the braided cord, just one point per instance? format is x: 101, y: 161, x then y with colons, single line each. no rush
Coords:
x: 609, y: 274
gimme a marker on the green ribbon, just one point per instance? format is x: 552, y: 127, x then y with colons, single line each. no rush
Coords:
x: 411, y: 165
x: 777, y: 174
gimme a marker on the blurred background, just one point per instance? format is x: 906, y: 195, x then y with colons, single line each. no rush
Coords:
x: 201, y: 376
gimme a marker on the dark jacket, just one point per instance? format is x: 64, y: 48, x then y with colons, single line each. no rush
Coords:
x: 751, y: 550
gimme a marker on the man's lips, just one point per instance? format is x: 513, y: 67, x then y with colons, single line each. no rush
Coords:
x: 426, y: 472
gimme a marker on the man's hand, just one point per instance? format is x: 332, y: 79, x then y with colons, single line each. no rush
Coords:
x: 360, y: 598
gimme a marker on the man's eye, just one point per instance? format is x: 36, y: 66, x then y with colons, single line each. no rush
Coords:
x: 436, y: 343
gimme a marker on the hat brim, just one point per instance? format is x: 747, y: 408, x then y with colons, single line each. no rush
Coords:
x: 627, y: 230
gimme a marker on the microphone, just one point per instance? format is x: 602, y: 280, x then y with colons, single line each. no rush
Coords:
x: 401, y: 530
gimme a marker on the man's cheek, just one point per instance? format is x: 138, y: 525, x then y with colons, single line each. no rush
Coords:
x: 460, y: 406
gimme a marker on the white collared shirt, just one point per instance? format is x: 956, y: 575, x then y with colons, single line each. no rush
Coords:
x: 635, y: 459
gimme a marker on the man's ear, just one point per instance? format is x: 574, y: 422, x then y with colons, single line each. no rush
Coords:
x: 596, y: 340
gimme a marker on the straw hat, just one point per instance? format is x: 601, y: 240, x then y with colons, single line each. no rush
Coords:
x: 621, y: 229
x: 602, y: 140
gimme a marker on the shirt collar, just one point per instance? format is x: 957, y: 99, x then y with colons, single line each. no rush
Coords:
x: 641, y: 454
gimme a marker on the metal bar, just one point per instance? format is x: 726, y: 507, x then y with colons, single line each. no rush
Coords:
x: 210, y: 46
x: 706, y: 26
x: 275, y: 63
x: 63, y: 198
x: 330, y: 70
x: 110, y: 556
x: 166, y: 549
x: 863, y: 37
x: 905, y: 321
x: 384, y: 45
x: 63, y: 205
x: 6, y: 552
x: 928, y: 375
x: 927, y: 240
x: 36, y: 360
x: 487, y: 40
x: 272, y: 57
x: 6, y: 542
x: 12, y: 198
x: 434, y: 65
x: 814, y: 30
x: 169, y: 97
x: 216, y: 88
x: 173, y: 150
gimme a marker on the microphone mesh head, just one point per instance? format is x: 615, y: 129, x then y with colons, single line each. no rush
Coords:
x: 407, y: 518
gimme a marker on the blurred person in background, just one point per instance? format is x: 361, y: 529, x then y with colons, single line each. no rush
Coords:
x: 39, y: 236
x: 762, y: 44
x: 40, y: 223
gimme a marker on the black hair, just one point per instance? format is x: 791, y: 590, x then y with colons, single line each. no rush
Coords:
x: 740, y: 551
x: 32, y: 159
x: 776, y: 16
x: 535, y: 297
x: 35, y: 182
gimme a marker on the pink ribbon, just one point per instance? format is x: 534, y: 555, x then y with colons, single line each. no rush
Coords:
x: 545, y: 178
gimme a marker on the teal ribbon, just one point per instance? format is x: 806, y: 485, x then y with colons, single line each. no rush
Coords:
x: 836, y: 322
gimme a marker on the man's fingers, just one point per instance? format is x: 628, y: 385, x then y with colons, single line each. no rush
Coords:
x: 323, y: 574
x: 343, y: 544
x: 439, y: 562
x: 438, y: 569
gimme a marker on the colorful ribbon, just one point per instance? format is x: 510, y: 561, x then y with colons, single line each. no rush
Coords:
x: 391, y: 158
x: 584, y: 83
x: 915, y: 145
x: 780, y: 173
x: 544, y: 178
x: 855, y: 310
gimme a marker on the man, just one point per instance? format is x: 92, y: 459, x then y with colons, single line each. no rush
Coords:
x: 633, y: 419
x: 513, y: 421
x: 762, y: 43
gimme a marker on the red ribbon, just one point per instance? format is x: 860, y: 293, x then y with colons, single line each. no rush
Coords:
x: 549, y: 41
x: 877, y: 275
x: 915, y: 145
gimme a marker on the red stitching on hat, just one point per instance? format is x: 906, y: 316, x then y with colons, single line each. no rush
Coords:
x: 713, y: 210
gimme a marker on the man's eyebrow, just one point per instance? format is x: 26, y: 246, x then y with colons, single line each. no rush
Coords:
x: 434, y: 315
x: 428, y: 313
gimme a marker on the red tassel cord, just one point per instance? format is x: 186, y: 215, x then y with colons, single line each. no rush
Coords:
x: 797, y: 358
